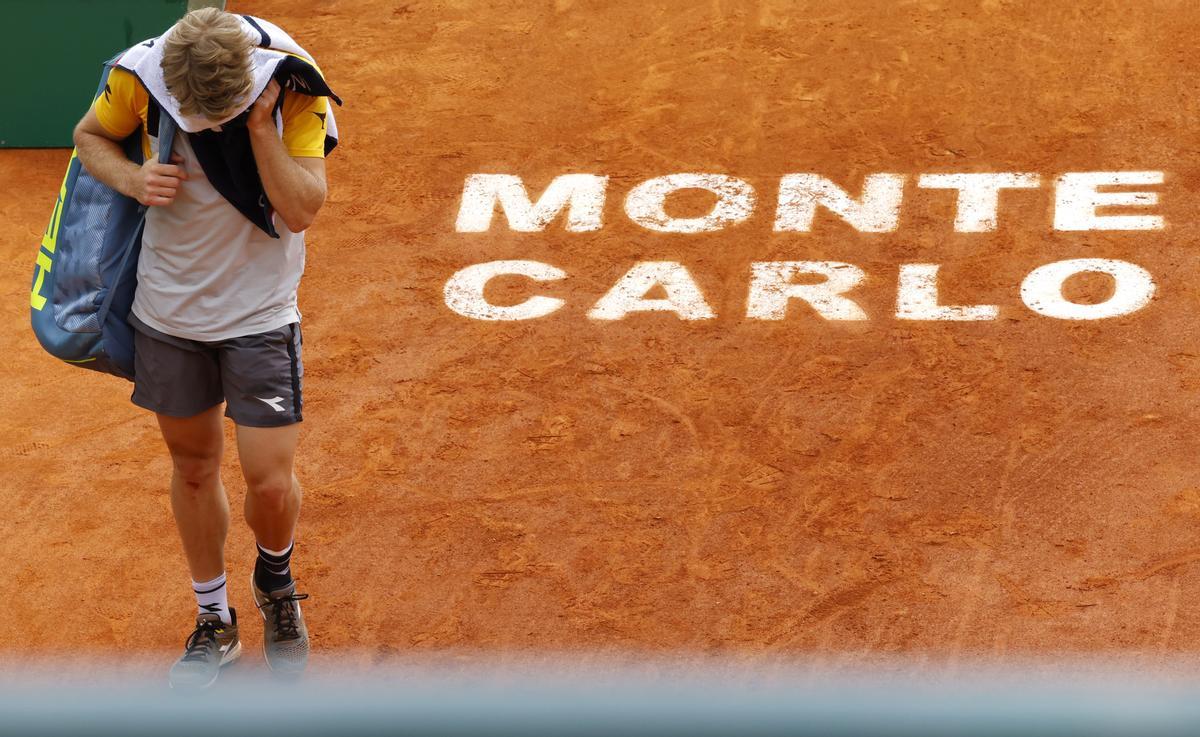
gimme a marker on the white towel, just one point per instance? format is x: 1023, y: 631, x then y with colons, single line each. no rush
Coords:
x: 272, y: 46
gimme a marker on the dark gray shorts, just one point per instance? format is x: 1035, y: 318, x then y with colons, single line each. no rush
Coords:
x: 258, y: 376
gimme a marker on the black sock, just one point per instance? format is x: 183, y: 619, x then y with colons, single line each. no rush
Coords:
x: 272, y: 572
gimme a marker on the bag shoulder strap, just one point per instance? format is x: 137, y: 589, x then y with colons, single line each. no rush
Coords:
x: 166, y: 140
x: 166, y: 136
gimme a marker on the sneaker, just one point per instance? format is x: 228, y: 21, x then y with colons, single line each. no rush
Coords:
x: 285, y: 636
x: 211, y: 645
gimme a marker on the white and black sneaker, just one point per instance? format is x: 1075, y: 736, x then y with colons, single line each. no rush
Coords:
x: 285, y: 636
x: 211, y: 645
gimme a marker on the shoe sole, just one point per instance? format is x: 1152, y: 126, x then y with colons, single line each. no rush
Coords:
x: 232, y: 653
x: 254, y: 593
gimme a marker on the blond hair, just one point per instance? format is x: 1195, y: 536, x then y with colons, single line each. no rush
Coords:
x: 206, y: 63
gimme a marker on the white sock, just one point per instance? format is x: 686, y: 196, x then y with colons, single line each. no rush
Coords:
x: 212, y: 598
x: 279, y: 553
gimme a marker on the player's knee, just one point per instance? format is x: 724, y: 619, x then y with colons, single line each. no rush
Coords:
x: 196, y: 471
x: 271, y: 493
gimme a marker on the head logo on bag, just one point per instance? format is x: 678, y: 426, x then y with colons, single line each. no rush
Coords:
x: 86, y: 269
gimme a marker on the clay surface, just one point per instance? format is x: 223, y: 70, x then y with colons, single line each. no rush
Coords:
x: 756, y: 489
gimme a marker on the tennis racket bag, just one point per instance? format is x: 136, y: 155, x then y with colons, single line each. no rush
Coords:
x: 86, y: 269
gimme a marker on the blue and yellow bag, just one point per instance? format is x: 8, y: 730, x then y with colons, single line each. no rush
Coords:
x: 86, y: 270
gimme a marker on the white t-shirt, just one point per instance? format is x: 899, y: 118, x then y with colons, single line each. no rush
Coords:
x: 206, y: 272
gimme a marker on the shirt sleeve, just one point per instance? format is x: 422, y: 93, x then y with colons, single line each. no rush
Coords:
x: 121, y: 107
x: 304, y: 125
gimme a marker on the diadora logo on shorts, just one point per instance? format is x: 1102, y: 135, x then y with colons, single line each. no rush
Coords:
x: 276, y: 403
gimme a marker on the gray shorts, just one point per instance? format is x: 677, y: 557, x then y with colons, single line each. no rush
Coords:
x: 258, y: 376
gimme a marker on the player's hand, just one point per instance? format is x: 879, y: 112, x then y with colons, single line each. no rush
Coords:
x: 156, y: 184
x: 260, y: 112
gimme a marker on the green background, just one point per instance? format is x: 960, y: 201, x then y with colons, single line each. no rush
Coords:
x: 53, y: 51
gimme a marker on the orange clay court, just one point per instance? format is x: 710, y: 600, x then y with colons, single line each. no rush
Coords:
x: 803, y: 487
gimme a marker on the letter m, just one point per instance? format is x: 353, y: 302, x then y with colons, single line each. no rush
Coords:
x: 581, y: 194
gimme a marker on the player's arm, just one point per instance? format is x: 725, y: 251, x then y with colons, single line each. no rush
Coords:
x: 100, y: 151
x: 294, y: 185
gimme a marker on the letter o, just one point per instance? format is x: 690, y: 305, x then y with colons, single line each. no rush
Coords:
x: 735, y: 202
x: 1041, y: 291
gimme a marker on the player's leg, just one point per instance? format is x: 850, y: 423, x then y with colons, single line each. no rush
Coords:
x: 267, y: 456
x: 179, y: 380
x: 261, y: 376
x: 201, y: 511
x: 198, y: 498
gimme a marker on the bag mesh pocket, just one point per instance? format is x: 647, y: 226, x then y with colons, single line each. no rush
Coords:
x: 81, y: 237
